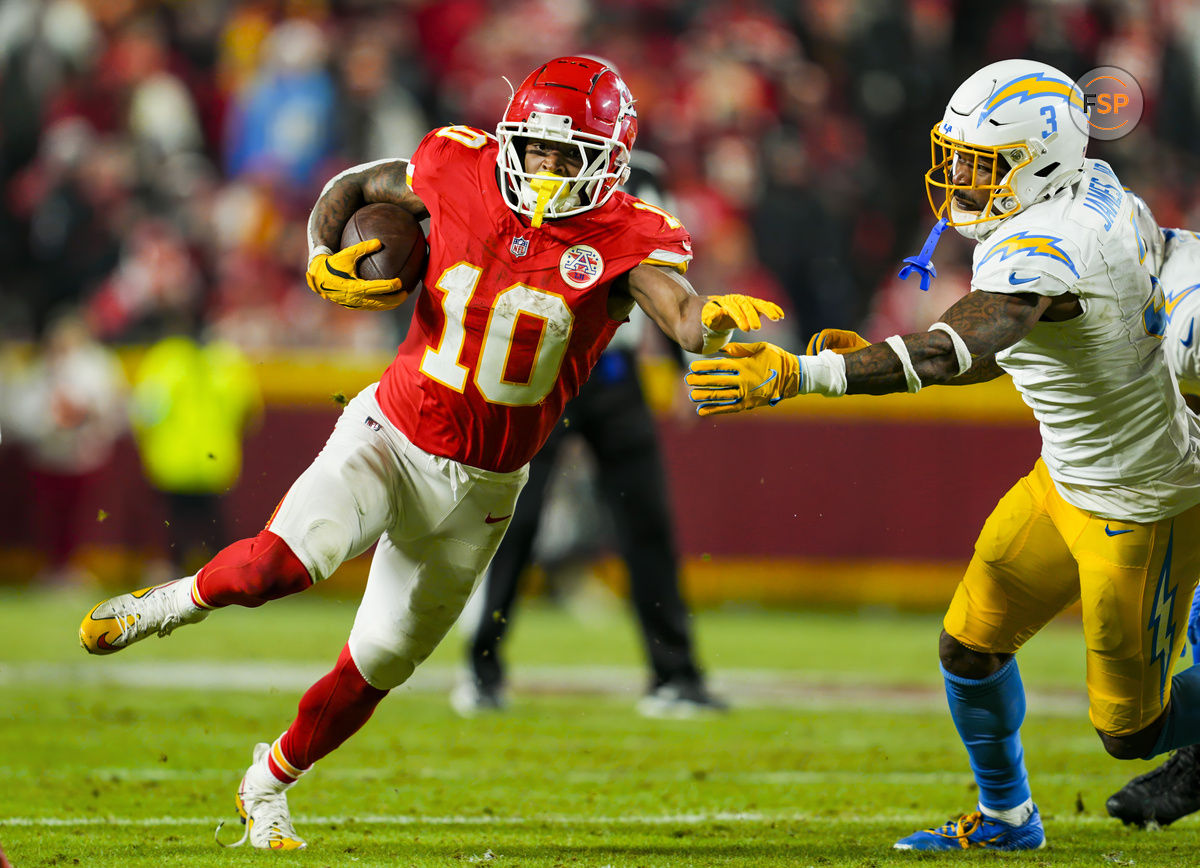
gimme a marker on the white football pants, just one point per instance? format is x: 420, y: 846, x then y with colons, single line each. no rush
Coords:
x: 438, y: 523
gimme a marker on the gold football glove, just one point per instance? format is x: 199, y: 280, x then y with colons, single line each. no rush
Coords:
x: 839, y: 340
x: 723, y: 312
x: 750, y: 376
x: 334, y: 276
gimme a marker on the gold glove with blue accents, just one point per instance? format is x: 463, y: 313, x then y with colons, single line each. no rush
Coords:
x: 838, y: 340
x: 749, y: 376
x: 725, y: 312
x: 334, y: 276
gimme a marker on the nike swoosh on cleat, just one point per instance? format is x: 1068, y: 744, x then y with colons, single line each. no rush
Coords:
x: 774, y: 374
x: 492, y: 519
x: 1017, y: 281
x: 1110, y: 532
x: 1187, y: 342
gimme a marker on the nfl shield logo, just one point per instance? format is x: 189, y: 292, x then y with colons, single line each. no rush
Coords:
x: 519, y: 247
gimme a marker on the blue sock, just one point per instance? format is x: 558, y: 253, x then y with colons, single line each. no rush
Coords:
x: 1193, y: 628
x: 988, y: 714
x: 1183, y: 715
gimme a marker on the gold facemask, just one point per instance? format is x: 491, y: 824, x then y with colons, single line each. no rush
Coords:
x: 948, y: 155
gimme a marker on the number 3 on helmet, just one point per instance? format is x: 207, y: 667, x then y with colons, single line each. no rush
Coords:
x: 577, y: 101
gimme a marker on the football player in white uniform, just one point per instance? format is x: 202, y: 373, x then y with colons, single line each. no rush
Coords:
x: 1172, y: 790
x: 1062, y: 299
x: 1180, y: 279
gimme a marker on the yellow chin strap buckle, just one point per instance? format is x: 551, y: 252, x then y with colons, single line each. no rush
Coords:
x: 547, y: 186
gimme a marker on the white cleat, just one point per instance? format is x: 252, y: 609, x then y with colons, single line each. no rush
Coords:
x: 469, y: 699
x: 120, y: 621
x: 264, y: 813
x: 680, y: 700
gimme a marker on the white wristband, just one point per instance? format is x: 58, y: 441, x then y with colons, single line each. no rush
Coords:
x: 317, y: 251
x: 910, y: 373
x: 714, y: 340
x: 823, y: 374
x: 960, y: 346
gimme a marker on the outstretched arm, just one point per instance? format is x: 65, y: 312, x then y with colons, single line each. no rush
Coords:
x: 987, y: 322
x: 982, y: 369
x: 334, y: 275
x: 698, y: 323
x: 959, y: 351
x: 842, y: 341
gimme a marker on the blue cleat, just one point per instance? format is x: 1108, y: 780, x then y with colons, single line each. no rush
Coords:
x: 974, y: 831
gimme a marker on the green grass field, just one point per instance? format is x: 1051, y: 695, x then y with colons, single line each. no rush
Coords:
x: 838, y: 743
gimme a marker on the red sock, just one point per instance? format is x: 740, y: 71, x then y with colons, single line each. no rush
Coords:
x: 250, y: 572
x: 331, y: 711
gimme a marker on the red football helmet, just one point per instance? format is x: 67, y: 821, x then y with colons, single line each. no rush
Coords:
x: 578, y: 101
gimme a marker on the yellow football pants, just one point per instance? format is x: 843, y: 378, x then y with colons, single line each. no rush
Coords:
x: 1038, y: 554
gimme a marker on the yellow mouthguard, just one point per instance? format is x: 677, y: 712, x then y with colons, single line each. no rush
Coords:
x: 546, y: 185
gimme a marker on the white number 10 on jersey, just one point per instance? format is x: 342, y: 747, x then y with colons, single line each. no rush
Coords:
x: 443, y: 363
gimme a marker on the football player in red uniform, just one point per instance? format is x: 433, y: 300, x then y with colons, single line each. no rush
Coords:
x: 535, y: 259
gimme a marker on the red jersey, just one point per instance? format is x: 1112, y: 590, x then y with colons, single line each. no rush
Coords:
x: 512, y: 318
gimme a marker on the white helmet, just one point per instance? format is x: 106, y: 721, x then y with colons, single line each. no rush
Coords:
x: 1021, y: 121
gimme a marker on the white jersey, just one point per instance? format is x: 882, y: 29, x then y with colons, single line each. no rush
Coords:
x: 1116, y: 436
x: 1180, y: 281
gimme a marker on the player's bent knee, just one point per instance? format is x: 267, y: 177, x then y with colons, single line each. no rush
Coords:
x: 323, y: 545
x: 958, y: 659
x: 1125, y: 747
x: 383, y: 662
x: 1136, y: 745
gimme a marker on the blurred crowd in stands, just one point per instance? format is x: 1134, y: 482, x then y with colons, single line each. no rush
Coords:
x: 158, y: 159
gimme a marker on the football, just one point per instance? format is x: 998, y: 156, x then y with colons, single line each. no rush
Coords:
x: 403, y: 252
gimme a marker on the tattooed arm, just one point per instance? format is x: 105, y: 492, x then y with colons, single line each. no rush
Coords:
x: 381, y: 181
x: 332, y: 272
x: 982, y: 369
x: 758, y: 374
x: 987, y: 321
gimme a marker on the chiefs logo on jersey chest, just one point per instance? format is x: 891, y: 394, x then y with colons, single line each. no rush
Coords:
x: 581, y: 266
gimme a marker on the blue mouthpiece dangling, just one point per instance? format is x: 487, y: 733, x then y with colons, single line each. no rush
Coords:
x: 921, y: 262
